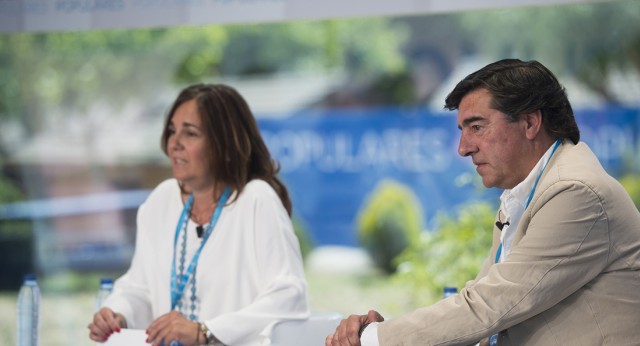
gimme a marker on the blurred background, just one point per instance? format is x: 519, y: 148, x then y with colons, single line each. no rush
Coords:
x: 350, y: 105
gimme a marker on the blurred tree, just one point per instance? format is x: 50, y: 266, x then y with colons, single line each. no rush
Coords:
x: 631, y: 183
x: 390, y: 221
x: 54, y: 75
x: 16, y: 238
x: 304, y: 46
x: 584, y: 40
x: 8, y: 190
x: 301, y: 230
x: 450, y: 255
x: 48, y: 76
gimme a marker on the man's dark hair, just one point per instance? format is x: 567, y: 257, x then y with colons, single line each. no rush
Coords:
x: 519, y: 88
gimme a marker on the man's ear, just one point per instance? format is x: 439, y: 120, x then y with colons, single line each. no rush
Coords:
x: 533, y: 124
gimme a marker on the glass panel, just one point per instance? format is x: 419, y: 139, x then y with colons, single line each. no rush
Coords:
x: 343, y: 104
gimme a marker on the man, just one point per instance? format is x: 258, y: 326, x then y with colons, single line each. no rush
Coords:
x: 564, y: 268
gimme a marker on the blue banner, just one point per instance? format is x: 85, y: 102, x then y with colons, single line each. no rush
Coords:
x: 331, y: 160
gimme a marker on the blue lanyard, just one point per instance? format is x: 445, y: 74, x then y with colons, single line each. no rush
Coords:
x: 526, y: 203
x: 177, y: 288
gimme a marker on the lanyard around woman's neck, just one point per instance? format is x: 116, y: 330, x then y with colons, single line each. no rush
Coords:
x: 177, y: 286
x: 533, y: 190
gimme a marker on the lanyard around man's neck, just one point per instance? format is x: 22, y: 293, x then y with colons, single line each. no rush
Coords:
x: 533, y: 190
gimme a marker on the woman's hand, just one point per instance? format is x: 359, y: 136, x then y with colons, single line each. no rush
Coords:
x: 173, y: 327
x: 105, y: 322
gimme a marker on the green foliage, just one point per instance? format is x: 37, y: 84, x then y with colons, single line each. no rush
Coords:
x: 451, y: 255
x: 65, y: 282
x: 16, y: 238
x: 300, y: 46
x: 15, y: 230
x: 389, y: 221
x: 631, y: 183
x: 301, y: 232
x: 585, y: 40
x: 56, y: 75
x: 9, y: 193
x: 394, y: 88
x: 45, y: 77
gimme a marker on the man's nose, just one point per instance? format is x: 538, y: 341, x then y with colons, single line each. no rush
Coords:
x: 465, y: 147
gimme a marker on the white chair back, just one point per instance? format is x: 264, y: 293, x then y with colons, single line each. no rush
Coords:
x: 309, y: 332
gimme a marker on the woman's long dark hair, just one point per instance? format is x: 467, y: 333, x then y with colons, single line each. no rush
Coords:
x: 238, y: 152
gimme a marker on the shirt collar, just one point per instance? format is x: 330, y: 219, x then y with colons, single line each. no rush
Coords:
x: 517, y: 196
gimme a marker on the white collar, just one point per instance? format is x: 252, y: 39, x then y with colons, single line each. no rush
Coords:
x: 521, y: 192
x: 512, y: 203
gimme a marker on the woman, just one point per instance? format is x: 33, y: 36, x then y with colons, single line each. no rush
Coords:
x: 216, y: 259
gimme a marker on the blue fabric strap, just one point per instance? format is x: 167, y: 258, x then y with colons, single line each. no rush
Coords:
x: 177, y: 286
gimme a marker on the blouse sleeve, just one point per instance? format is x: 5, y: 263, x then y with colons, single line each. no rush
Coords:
x: 131, y: 294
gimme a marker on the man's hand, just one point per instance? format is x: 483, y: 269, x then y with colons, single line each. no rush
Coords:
x: 349, y: 330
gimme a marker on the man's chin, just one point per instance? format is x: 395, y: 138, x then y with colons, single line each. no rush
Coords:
x: 488, y: 183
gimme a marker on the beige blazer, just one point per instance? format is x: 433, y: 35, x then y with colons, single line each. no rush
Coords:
x: 572, y: 276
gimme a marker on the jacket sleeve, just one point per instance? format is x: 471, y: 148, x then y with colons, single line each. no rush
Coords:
x: 565, y: 245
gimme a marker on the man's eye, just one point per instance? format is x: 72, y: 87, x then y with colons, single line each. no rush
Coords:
x: 475, y: 128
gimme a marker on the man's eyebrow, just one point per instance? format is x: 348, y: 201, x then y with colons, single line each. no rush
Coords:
x: 470, y: 120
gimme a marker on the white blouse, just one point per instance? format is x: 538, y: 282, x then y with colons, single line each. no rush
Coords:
x: 249, y: 275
